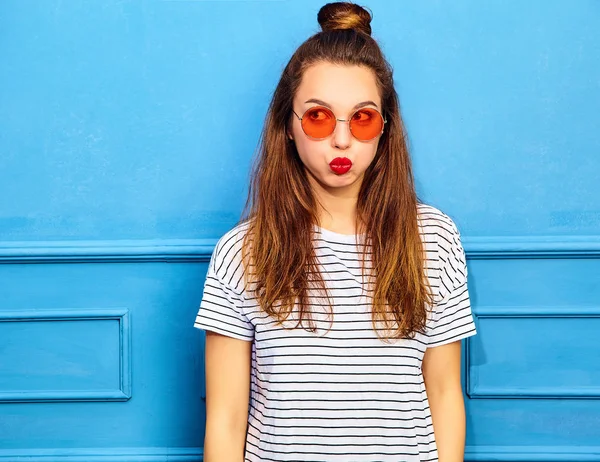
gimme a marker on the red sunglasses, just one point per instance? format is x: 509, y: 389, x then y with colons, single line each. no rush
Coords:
x: 319, y: 122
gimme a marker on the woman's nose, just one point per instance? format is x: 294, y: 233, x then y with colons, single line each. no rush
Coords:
x: 342, y: 134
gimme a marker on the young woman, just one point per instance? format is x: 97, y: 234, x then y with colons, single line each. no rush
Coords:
x: 334, y: 310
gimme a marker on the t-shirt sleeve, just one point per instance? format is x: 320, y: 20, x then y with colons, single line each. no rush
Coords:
x: 221, y: 306
x: 451, y: 316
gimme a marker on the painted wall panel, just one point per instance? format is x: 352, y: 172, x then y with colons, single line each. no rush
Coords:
x: 551, y: 354
x: 64, y: 355
x: 165, y: 409
x: 532, y: 385
x: 542, y: 423
x: 536, y: 282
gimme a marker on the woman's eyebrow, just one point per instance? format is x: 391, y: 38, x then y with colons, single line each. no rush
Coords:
x: 359, y: 105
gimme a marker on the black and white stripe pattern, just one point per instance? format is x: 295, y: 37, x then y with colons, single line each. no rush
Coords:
x: 343, y: 395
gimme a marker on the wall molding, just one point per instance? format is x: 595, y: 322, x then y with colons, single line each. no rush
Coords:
x: 193, y: 250
x: 532, y: 453
x: 149, y: 454
x: 195, y: 454
x: 508, y: 247
x: 476, y: 391
x: 123, y: 393
x: 162, y: 250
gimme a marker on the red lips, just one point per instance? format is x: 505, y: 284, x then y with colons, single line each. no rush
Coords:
x: 340, y: 165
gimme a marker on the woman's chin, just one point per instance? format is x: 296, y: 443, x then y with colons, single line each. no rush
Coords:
x: 336, y: 181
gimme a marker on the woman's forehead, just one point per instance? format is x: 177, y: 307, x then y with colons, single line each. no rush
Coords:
x: 340, y: 86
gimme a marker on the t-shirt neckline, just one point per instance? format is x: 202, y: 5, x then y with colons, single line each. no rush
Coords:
x: 338, y: 237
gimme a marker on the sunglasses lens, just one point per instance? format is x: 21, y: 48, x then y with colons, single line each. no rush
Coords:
x: 318, y: 122
x: 366, y: 124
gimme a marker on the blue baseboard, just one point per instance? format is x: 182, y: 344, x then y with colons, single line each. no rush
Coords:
x: 472, y: 453
x: 103, y: 455
x: 532, y: 453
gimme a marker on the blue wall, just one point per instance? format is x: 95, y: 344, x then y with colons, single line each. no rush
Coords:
x: 126, y: 133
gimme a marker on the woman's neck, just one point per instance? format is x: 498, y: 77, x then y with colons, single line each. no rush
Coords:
x: 337, y: 208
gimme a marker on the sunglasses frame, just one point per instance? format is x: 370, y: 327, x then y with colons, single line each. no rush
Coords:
x: 340, y: 120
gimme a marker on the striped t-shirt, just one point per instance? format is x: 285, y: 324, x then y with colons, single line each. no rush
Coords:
x: 345, y: 395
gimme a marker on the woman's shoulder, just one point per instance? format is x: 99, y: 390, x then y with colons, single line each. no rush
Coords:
x: 232, y: 237
x: 228, y: 249
x: 434, y: 223
x: 446, y: 260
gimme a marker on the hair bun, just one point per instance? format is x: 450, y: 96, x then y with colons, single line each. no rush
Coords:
x: 344, y: 15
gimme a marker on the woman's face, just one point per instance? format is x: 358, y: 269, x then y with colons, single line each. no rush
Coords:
x: 340, y: 88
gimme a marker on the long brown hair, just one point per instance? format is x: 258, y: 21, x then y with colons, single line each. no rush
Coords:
x: 281, y: 210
